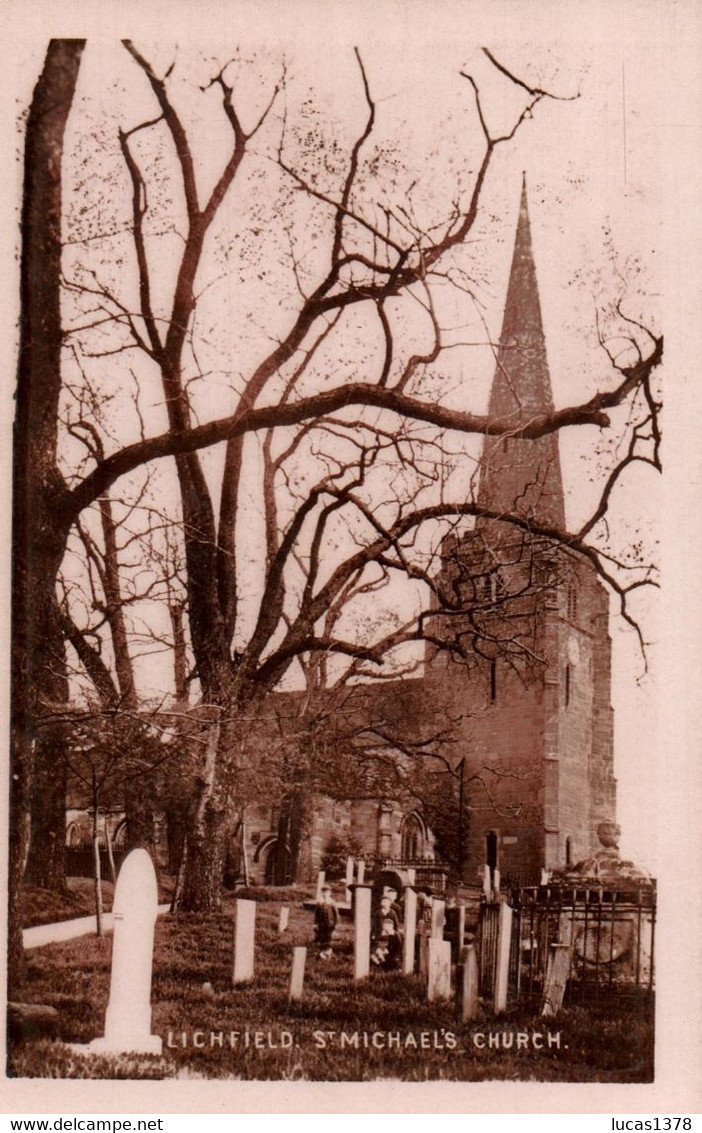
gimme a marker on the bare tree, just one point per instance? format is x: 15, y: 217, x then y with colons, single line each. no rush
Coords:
x: 343, y: 524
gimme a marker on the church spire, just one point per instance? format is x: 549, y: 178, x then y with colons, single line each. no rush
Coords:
x: 522, y: 476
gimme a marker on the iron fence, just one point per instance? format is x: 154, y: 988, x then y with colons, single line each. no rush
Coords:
x: 80, y: 862
x: 611, y: 934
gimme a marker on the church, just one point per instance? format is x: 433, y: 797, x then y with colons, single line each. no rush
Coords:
x: 516, y: 679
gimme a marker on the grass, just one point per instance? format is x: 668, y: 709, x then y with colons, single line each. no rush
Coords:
x: 192, y: 995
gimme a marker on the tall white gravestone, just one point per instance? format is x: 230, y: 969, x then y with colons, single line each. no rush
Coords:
x: 410, y: 929
x: 439, y: 969
x: 244, y: 931
x: 362, y: 933
x: 128, y: 1016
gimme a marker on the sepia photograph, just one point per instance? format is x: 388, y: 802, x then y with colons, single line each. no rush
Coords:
x: 337, y: 533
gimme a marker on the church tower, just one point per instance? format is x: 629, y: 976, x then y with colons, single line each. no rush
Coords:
x: 526, y: 678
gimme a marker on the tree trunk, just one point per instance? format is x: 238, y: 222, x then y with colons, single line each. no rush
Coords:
x: 38, y: 538
x: 204, y: 854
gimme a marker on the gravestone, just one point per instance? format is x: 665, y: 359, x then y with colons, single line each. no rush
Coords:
x: 283, y: 918
x: 362, y: 932
x: 423, y: 951
x: 437, y: 919
x: 320, y: 882
x: 467, y: 984
x: 410, y: 927
x: 244, y: 929
x: 360, y: 872
x: 439, y: 970
x: 461, y: 928
x: 128, y: 1015
x: 504, y: 941
x: 487, y: 883
x: 349, y: 879
x: 297, y: 976
x: 557, y: 974
x: 411, y: 876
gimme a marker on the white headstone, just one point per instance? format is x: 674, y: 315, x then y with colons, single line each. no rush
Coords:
x: 504, y: 941
x: 361, y: 872
x: 461, y: 926
x: 320, y: 882
x: 128, y: 1016
x: 437, y: 919
x: 349, y: 879
x: 283, y: 918
x: 362, y: 933
x: 410, y: 927
x: 487, y: 882
x: 244, y: 929
x: 411, y: 876
x: 439, y: 969
x: 297, y: 976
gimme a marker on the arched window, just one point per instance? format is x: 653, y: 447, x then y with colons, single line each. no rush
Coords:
x: 73, y: 838
x: 569, y: 851
x: 412, y: 846
x: 491, y: 844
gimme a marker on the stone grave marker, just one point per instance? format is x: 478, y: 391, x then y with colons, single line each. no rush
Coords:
x: 504, y: 940
x: 438, y: 919
x: 320, y: 882
x: 557, y: 974
x: 423, y: 937
x: 461, y: 928
x: 349, y: 879
x: 244, y: 930
x: 283, y: 918
x: 487, y: 883
x: 360, y: 872
x: 439, y: 969
x: 297, y: 976
x: 128, y: 1015
x: 362, y: 932
x: 411, y: 876
x: 410, y: 927
x: 467, y: 984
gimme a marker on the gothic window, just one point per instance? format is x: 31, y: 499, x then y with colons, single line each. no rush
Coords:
x: 567, y: 685
x: 412, y: 846
x: 568, y: 852
x: 73, y: 838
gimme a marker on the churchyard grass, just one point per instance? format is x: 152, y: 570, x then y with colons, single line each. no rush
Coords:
x: 192, y: 996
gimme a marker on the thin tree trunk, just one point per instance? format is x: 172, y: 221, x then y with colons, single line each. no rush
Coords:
x: 38, y: 539
x: 97, y: 869
x: 110, y: 852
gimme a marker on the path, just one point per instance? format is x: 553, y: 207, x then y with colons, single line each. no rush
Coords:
x: 43, y: 934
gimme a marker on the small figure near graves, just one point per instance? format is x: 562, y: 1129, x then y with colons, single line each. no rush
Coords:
x: 326, y: 916
x: 387, y: 939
